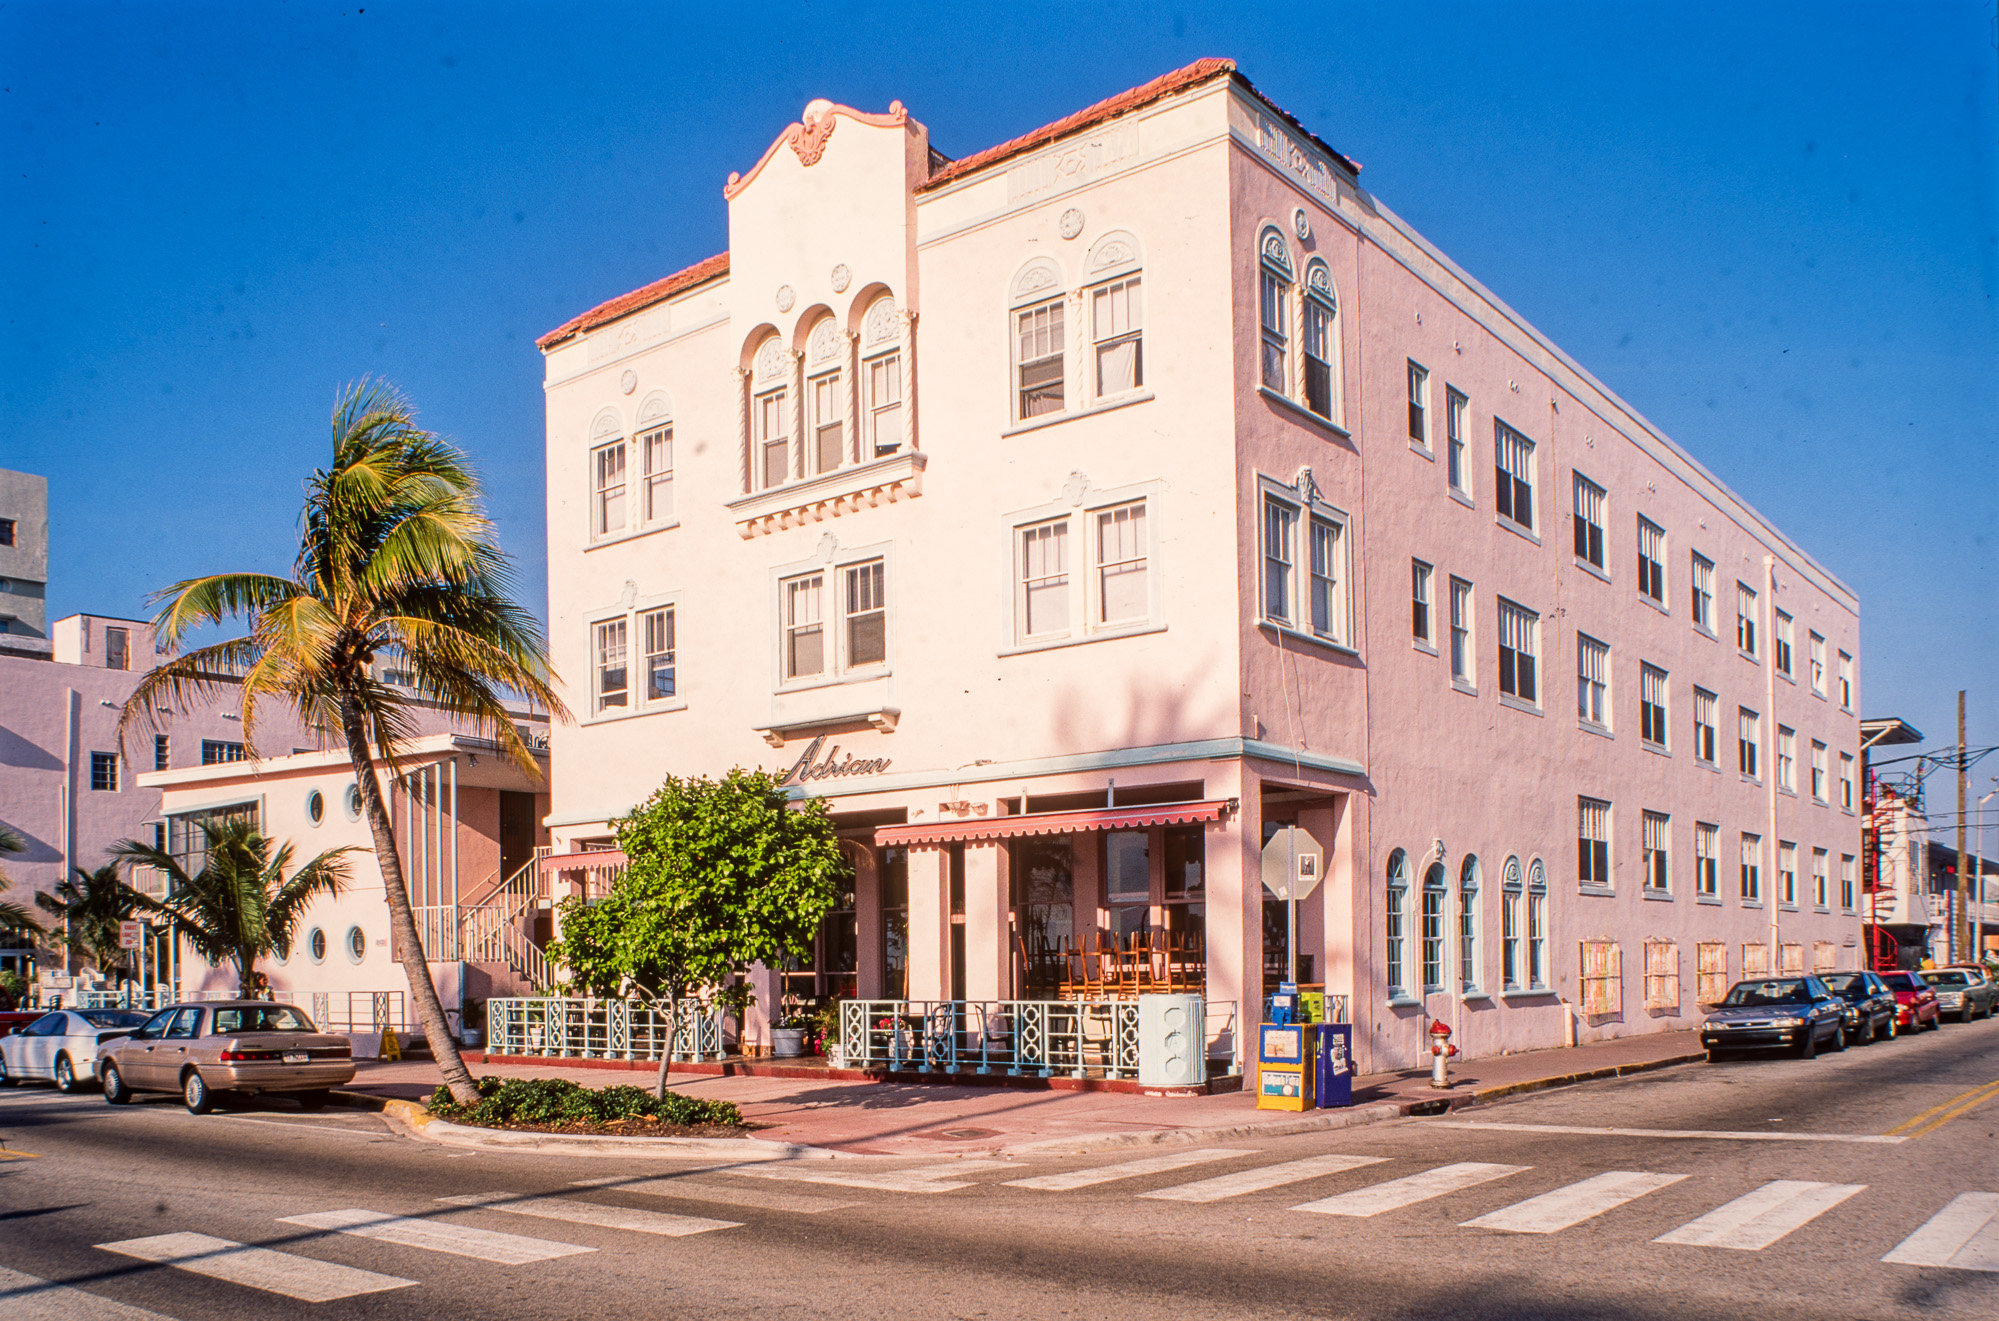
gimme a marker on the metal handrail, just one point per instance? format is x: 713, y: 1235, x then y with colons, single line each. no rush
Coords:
x: 582, y: 1028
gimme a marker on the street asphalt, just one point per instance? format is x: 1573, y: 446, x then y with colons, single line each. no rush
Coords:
x: 1761, y: 1186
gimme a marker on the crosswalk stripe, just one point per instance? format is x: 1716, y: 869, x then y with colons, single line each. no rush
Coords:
x: 696, y: 1190
x: 1755, y: 1220
x: 1573, y: 1204
x: 593, y: 1213
x: 1964, y: 1235
x: 302, y: 1278
x: 1398, y: 1193
x: 437, y: 1236
x: 923, y: 1179
x: 30, y: 1298
x: 1261, y: 1179
x: 1130, y: 1169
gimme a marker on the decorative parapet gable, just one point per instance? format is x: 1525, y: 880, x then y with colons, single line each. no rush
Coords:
x: 831, y: 495
x: 807, y: 138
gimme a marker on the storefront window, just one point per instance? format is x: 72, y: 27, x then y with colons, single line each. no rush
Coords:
x: 1127, y: 882
x: 894, y: 872
x: 830, y: 970
x: 954, y: 857
x: 1186, y: 902
x: 1044, y: 906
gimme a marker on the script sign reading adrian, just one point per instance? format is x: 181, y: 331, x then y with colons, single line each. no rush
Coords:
x: 809, y: 768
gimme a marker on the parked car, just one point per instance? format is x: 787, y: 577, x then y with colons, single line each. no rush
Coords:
x: 1963, y: 989
x: 1797, y: 1013
x: 223, y: 1046
x: 1870, y: 1005
x: 61, y: 1046
x: 1915, y: 1003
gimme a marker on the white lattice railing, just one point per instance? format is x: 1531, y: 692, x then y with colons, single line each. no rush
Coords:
x: 1039, y: 1038
x: 559, y: 1027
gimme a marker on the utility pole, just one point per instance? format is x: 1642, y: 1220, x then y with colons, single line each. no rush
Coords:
x: 1965, y: 954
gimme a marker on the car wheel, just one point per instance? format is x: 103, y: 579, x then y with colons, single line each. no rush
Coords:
x: 6, y: 1079
x: 194, y: 1092
x: 317, y: 1099
x: 1714, y: 1054
x: 115, y: 1090
x: 1809, y: 1048
x: 66, y: 1075
x: 1894, y: 1026
x: 1839, y: 1037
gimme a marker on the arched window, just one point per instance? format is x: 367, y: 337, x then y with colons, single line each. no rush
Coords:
x: 1039, y: 364
x: 1435, y: 896
x: 770, y: 418
x: 1117, y: 316
x: 826, y: 414
x: 1274, y: 309
x: 1537, y: 927
x: 1322, y: 343
x: 1468, y: 925
x: 1509, y: 925
x: 881, y: 380
x: 655, y: 456
x: 1398, y: 899
x: 608, y: 514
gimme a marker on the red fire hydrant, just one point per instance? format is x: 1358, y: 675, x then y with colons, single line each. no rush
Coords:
x: 1441, y: 1051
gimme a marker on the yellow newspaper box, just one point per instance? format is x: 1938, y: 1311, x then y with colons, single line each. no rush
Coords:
x: 1284, y: 1059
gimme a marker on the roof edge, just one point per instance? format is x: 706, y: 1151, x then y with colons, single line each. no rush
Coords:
x: 701, y: 272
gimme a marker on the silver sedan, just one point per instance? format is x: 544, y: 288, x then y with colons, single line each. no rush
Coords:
x: 61, y: 1046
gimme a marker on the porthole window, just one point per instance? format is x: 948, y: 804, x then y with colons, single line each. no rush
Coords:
x: 353, y: 802
x: 316, y: 945
x: 315, y: 807
x: 357, y: 944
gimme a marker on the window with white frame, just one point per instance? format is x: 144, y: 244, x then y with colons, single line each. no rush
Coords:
x: 1461, y: 631
x: 1847, y: 896
x: 1817, y: 661
x: 1420, y: 627
x: 1117, y: 327
x: 104, y: 772
x: 1658, y: 829
x: 1110, y: 592
x: 1821, y: 879
x: 1510, y: 926
x: 827, y: 422
x: 1328, y: 617
x: 1651, y: 560
x: 881, y: 404
x: 1652, y: 705
x: 1419, y: 404
x: 1781, y: 635
x: 1589, y: 518
x: 1706, y: 725
x: 1043, y: 604
x: 1468, y: 978
x: 607, y: 487
x: 656, y: 468
x: 1519, y: 651
x: 1846, y: 781
x: 1845, y: 682
x: 1593, y: 843
x: 1395, y: 915
x: 1123, y: 595
x: 1322, y: 344
x: 1592, y: 681
x: 1748, y: 741
x: 1434, y: 899
x: 803, y: 621
x: 1280, y: 560
x: 770, y: 435
x: 1752, y: 868
x: 613, y: 665
x: 1457, y: 426
x: 656, y: 629
x: 1513, y: 475
x: 1312, y: 595
x: 1038, y: 359
x: 1818, y: 771
x: 1537, y: 927
x: 1787, y: 759
x: 866, y: 615
x: 1703, y: 589
x: 1707, y: 852
x: 1787, y: 873
x: 1274, y: 312
x: 1745, y: 619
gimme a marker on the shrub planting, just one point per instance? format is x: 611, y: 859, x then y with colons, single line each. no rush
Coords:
x: 557, y: 1101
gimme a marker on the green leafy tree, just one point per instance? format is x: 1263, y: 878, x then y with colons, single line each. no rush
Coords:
x: 395, y: 557
x: 14, y: 916
x: 720, y: 874
x: 90, y: 905
x: 241, y: 905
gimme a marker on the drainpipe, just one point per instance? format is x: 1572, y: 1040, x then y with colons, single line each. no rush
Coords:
x: 1770, y: 761
x: 68, y: 805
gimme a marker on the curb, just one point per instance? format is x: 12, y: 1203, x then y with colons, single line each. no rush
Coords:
x: 416, y: 1121
x: 1491, y: 1094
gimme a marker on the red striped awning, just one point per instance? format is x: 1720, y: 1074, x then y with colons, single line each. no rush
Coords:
x: 561, y: 862
x: 1052, y: 823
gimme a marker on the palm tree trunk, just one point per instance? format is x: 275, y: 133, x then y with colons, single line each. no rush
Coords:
x: 402, y: 923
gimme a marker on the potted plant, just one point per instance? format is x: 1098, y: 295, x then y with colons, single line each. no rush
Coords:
x: 787, y: 1034
x: 826, y: 1027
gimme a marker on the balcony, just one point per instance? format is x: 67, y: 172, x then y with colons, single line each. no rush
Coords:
x: 830, y: 495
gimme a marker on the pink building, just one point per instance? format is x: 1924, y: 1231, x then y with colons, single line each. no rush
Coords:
x: 1067, y: 597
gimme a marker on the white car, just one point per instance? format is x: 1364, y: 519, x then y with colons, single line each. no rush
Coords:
x: 61, y: 1046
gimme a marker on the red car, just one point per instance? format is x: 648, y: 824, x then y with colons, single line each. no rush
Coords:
x: 1915, y: 1003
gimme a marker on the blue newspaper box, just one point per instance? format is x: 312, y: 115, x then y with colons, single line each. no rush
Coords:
x: 1335, y: 1065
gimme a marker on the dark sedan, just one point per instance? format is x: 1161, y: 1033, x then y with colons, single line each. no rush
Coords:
x: 1870, y: 1005
x: 1790, y: 1013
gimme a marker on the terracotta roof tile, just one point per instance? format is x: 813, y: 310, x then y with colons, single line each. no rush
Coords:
x: 656, y: 292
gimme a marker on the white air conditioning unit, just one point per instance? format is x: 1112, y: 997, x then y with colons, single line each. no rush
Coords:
x: 1172, y: 1041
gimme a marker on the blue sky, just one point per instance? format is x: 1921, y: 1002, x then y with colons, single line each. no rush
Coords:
x: 1773, y: 228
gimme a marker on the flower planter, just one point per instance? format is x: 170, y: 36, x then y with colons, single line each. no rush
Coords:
x: 787, y: 1041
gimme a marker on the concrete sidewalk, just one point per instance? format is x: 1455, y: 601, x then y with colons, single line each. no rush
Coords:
x: 943, y: 1120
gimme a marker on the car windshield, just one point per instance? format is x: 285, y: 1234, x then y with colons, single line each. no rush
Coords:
x: 1948, y: 979
x: 111, y: 1018
x: 1850, y: 985
x: 1901, y: 981
x: 1750, y: 994
x: 259, y: 1018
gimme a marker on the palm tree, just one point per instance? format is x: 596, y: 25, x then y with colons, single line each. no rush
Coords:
x: 395, y: 557
x: 13, y: 916
x: 240, y: 906
x: 91, y: 904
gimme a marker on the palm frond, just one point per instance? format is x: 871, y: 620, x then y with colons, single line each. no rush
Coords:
x: 187, y: 680
x: 213, y: 599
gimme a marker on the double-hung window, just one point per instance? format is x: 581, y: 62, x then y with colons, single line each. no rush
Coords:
x: 833, y: 622
x: 829, y: 412
x: 1846, y: 882
x: 1519, y: 651
x: 1787, y: 759
x: 1328, y: 606
x: 1434, y: 899
x: 1707, y: 720
x: 1846, y: 781
x: 1817, y: 661
x: 633, y: 662
x: 1652, y: 705
x: 1593, y: 843
x: 656, y: 629
x: 1818, y: 771
x: 1420, y: 627
x: 881, y: 404
x: 1821, y: 879
x: 770, y: 429
x: 1280, y: 560
x: 607, y: 482
x: 1707, y: 849
x: 1123, y: 595
x: 1589, y: 517
x: 1703, y: 589
x: 1038, y: 359
x: 104, y: 772
x: 1395, y: 917
x: 613, y: 666
x: 866, y: 615
x: 1592, y: 681
x: 1748, y: 739
x: 1651, y: 560
x: 1510, y: 926
x: 1457, y: 424
x: 1537, y: 928
x: 1745, y: 619
x: 656, y: 458
x: 1468, y: 978
x: 1787, y: 873
x: 1305, y: 567
x: 1274, y: 317
x: 1111, y: 590
x: 1117, y: 321
x: 1845, y: 682
x: 1658, y: 852
x: 803, y: 619
x: 1461, y: 632
x: 1513, y: 475
x: 1419, y: 404
x: 1752, y: 868
x: 1321, y: 346
x: 1781, y: 634
x: 1043, y: 607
